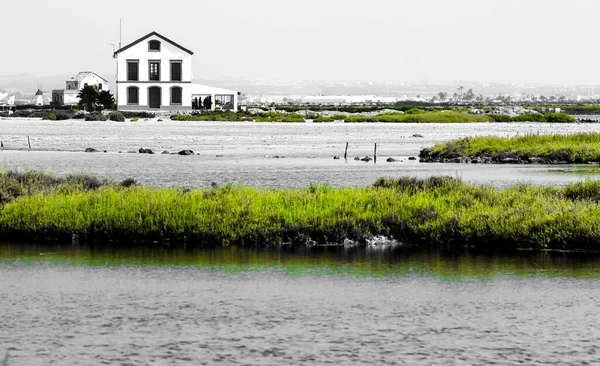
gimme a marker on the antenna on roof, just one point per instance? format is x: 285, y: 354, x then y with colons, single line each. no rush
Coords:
x: 120, y: 31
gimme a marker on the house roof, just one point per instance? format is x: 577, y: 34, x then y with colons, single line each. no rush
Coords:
x: 83, y: 74
x: 148, y: 36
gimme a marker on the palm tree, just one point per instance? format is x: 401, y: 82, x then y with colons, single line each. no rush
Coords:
x: 106, y: 99
x: 88, y: 97
x: 460, y: 90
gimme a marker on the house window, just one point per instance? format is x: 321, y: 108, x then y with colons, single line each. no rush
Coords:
x: 176, y: 95
x: 100, y: 86
x: 175, y: 70
x: 154, y: 46
x: 154, y: 68
x: 132, y: 71
x: 133, y: 95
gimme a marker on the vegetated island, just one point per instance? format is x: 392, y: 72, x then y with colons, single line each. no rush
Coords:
x: 531, y: 148
x: 348, y: 114
x: 434, y: 212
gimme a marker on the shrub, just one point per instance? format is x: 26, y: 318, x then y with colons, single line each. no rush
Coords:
x: 129, y: 114
x: 95, y: 117
x: 128, y: 182
x: 499, y: 117
x: 534, y: 117
x: 559, y: 118
x: 116, y: 116
x: 413, y: 111
x: 58, y: 116
x: 79, y: 115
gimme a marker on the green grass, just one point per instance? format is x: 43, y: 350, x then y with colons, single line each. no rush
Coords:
x: 411, y: 115
x: 438, y: 211
x: 430, y: 117
x: 576, y: 148
x: 417, y: 116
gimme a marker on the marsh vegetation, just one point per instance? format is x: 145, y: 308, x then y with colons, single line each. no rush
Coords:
x: 433, y: 212
x: 575, y: 148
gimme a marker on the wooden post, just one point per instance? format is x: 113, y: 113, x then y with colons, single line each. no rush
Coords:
x: 29, y: 142
x: 375, y: 154
x: 346, y: 151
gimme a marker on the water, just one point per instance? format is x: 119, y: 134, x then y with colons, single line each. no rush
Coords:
x: 141, y: 306
x: 89, y: 306
x: 244, y: 152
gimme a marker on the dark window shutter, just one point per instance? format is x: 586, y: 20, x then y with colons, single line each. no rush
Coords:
x: 176, y: 95
x: 175, y: 71
x: 132, y: 95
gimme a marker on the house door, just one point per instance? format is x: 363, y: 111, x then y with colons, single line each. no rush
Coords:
x: 154, y: 97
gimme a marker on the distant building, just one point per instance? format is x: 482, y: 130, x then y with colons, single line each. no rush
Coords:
x: 38, y: 98
x: 155, y: 73
x: 6, y: 102
x: 68, y: 96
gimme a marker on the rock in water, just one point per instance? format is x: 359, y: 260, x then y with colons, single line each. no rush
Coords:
x: 145, y: 151
x: 90, y: 149
x: 186, y: 152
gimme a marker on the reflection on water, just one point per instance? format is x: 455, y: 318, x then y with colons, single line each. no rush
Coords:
x: 327, y: 260
x: 89, y: 306
x: 587, y: 170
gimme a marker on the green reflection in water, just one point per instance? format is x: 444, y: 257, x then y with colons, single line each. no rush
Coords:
x: 328, y: 261
x: 588, y: 170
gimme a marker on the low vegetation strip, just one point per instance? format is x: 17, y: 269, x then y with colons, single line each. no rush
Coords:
x: 575, y: 148
x: 439, y: 211
x: 413, y: 115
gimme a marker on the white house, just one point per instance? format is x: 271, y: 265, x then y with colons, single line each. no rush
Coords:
x: 155, y: 73
x: 68, y: 96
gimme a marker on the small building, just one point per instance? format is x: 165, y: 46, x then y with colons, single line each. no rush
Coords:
x: 155, y: 73
x: 38, y: 98
x: 68, y: 96
x: 6, y: 102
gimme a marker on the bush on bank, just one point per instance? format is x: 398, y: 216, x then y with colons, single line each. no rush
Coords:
x: 434, y: 212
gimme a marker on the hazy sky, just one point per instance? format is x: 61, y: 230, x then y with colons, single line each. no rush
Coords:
x: 540, y: 41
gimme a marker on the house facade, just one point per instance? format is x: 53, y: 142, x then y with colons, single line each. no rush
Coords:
x: 155, y: 73
x: 68, y: 96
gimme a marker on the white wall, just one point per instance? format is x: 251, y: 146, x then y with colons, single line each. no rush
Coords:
x: 143, y: 55
x: 93, y: 79
x: 165, y: 95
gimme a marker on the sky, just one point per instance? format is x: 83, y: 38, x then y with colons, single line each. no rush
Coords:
x: 508, y: 41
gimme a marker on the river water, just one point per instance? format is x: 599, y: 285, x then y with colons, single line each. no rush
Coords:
x: 90, y: 306
x: 245, y: 152
x: 62, y: 305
